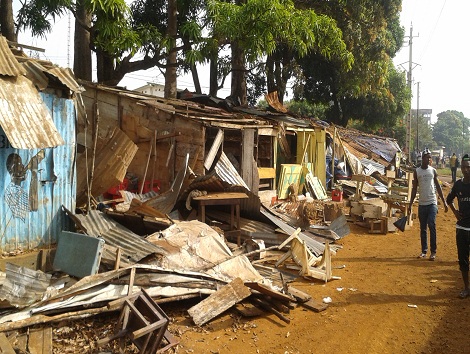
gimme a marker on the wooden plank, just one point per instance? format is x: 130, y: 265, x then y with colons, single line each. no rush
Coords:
x: 266, y: 172
x: 269, y: 307
x: 268, y: 291
x: 299, y: 295
x: 5, y: 346
x: 21, y: 342
x: 372, y: 211
x: 219, y: 301
x: 248, y: 309
x: 221, y: 196
x: 40, y: 341
x: 290, y: 174
x: 248, y: 143
x: 214, y: 149
x: 315, y: 305
x: 316, y: 186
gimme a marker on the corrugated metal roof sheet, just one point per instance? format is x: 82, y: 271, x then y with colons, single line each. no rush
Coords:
x: 371, y: 166
x: 134, y: 248
x: 9, y: 66
x: 228, y: 173
x: 368, y: 145
x: 66, y: 77
x: 24, y: 117
x: 35, y: 72
x: 40, y: 72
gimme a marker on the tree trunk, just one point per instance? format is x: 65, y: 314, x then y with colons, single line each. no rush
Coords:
x: 82, y: 66
x: 197, y: 83
x: 7, y: 24
x: 213, y: 84
x: 238, y: 87
x: 170, y: 73
x: 105, y: 70
x: 270, y: 80
x: 280, y: 84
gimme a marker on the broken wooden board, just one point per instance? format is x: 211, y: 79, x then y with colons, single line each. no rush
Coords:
x: 5, y: 346
x: 265, y: 290
x: 314, y: 186
x: 40, y: 341
x: 218, y: 302
x: 299, y: 295
x: 247, y: 309
x: 315, y: 305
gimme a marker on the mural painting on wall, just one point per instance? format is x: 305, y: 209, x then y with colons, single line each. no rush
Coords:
x: 19, y: 200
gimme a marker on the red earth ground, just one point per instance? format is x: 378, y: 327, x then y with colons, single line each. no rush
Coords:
x: 387, y: 301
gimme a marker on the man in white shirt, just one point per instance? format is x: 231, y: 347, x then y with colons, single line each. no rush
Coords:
x: 425, y: 178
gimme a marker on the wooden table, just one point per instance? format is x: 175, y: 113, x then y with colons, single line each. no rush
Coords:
x: 232, y: 199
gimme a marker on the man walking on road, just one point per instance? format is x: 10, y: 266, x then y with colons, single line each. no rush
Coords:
x: 461, y: 191
x: 453, y: 167
x: 425, y: 177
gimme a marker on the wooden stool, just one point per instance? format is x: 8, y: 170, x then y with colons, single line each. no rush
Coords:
x: 377, y: 226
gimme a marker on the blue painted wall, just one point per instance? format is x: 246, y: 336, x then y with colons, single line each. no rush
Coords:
x: 22, y: 225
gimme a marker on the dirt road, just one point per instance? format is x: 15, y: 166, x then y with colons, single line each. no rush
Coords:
x: 387, y: 301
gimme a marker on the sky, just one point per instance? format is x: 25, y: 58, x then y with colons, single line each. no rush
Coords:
x: 440, y: 55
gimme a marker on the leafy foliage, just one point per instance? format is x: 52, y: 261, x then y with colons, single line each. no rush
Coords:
x: 372, y: 33
x: 452, y: 131
x: 307, y: 109
x: 263, y: 28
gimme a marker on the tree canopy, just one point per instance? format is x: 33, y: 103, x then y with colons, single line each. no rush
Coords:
x: 451, y: 130
x: 372, y: 32
x: 336, y: 54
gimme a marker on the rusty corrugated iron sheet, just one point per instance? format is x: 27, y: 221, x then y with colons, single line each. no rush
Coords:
x: 41, y: 72
x: 35, y: 72
x: 134, y: 247
x: 362, y: 145
x: 66, y: 77
x: 9, y: 66
x: 24, y: 117
x: 227, y: 172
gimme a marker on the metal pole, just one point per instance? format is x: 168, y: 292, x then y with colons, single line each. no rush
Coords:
x: 417, y: 120
x: 408, y: 120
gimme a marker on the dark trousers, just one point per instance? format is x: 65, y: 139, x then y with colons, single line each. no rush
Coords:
x: 463, y: 248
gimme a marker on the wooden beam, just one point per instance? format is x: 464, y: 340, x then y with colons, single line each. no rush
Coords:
x: 219, y: 301
x: 214, y: 149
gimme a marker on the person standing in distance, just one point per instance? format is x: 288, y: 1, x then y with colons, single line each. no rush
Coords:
x: 453, y: 167
x: 425, y: 178
x: 461, y: 191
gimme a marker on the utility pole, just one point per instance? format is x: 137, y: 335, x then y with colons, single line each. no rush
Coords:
x: 409, y: 81
x: 417, y: 118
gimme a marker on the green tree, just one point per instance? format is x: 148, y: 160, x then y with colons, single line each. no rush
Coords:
x: 257, y: 28
x: 103, y: 27
x: 306, y: 109
x: 452, y: 131
x: 372, y: 32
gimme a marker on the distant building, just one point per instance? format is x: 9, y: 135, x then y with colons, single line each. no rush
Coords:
x: 153, y: 89
x: 425, y: 113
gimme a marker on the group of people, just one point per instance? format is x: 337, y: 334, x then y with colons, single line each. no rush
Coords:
x: 426, y: 181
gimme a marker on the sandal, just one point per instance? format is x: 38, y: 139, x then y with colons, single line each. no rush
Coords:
x: 464, y: 294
